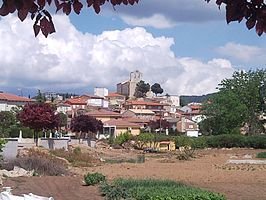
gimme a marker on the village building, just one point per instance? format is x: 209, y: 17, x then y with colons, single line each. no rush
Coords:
x: 115, y: 127
x: 104, y: 115
x: 9, y: 101
x: 127, y: 88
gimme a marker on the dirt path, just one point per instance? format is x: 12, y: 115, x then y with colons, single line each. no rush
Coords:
x: 245, y: 182
x: 208, y: 170
x: 61, y: 188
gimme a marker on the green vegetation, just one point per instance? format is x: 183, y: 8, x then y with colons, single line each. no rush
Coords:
x: 261, y: 155
x: 139, y: 159
x: 76, y: 157
x: 122, y: 138
x: 154, y: 190
x: 215, y: 141
x: 240, y: 101
x: 94, y: 178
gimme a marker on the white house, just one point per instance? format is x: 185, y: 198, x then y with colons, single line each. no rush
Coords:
x: 9, y: 101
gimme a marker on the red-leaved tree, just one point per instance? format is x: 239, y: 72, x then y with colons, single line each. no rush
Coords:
x: 37, y: 9
x: 85, y: 124
x: 253, y: 11
x: 38, y: 116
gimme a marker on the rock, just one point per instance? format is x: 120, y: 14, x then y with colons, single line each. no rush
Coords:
x: 247, y: 156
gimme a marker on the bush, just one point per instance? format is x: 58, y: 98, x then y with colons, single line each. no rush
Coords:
x: 76, y: 157
x: 226, y: 141
x: 77, y: 150
x: 39, y: 162
x: 261, y: 155
x: 256, y: 142
x: 196, y: 143
x: 155, y: 190
x: 94, y: 178
x: 122, y: 138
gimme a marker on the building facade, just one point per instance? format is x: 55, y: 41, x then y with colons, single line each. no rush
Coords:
x: 128, y: 88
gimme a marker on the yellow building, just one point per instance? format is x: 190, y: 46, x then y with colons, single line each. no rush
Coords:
x: 115, y: 127
x: 161, y: 146
x: 104, y: 115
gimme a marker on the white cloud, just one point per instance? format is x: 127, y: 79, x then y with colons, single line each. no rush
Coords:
x: 243, y: 53
x: 71, y: 59
x: 157, y: 21
x: 165, y: 14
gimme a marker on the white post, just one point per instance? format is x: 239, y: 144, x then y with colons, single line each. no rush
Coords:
x: 20, y: 136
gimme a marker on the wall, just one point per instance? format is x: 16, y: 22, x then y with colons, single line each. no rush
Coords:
x: 54, y: 143
x: 119, y: 131
x: 2, y: 106
x: 10, y: 149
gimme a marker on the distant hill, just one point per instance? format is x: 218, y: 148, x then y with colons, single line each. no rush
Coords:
x: 184, y: 99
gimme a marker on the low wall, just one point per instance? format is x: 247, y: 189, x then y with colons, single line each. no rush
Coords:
x: 54, y: 143
x: 10, y: 149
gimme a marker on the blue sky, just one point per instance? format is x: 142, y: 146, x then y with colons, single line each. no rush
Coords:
x: 184, y: 45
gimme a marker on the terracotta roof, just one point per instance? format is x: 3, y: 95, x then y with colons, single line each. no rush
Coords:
x: 195, y: 107
x: 147, y: 103
x: 113, y: 94
x: 142, y: 111
x: 77, y: 101
x: 12, y: 97
x: 136, y: 120
x: 122, y: 123
x: 103, y: 112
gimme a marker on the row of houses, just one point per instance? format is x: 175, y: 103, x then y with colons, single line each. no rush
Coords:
x: 120, y: 111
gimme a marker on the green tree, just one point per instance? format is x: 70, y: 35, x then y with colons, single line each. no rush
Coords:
x: 141, y: 89
x: 62, y: 120
x: 250, y: 90
x: 40, y: 98
x: 156, y: 89
x: 225, y: 114
x: 7, y: 120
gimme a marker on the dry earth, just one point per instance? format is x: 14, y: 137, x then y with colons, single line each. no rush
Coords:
x: 208, y: 170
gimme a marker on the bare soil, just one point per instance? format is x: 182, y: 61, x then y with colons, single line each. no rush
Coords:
x: 208, y: 170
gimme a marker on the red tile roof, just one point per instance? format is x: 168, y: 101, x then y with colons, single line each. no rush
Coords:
x: 195, y: 107
x: 122, y: 123
x: 77, y: 101
x: 12, y: 97
x: 103, y: 113
x: 147, y: 103
x: 113, y: 94
x: 136, y: 120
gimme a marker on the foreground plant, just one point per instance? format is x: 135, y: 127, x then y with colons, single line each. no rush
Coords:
x: 154, y: 190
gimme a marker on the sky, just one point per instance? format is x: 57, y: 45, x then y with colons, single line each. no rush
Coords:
x: 185, y: 45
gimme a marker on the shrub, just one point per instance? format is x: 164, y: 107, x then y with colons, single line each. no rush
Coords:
x: 154, y: 190
x: 76, y: 157
x: 122, y: 138
x: 39, y: 162
x: 261, y: 155
x: 226, y: 141
x: 256, y: 142
x: 77, y: 150
x: 94, y: 178
x: 196, y: 143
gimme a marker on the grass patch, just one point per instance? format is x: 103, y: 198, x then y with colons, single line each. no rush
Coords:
x: 139, y: 159
x: 76, y: 157
x: 261, y: 155
x: 154, y: 190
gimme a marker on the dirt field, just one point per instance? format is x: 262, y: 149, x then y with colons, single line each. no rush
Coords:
x: 208, y: 170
